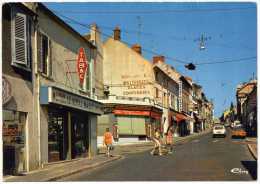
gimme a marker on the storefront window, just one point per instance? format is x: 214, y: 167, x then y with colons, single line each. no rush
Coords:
x: 14, y: 141
x: 57, y: 136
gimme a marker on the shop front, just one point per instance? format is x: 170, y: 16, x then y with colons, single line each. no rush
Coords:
x: 137, y: 124
x: 70, y: 123
x: 181, y: 125
x: 13, y: 141
x: 16, y: 118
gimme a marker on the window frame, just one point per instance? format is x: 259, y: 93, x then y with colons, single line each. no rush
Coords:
x: 48, y: 73
x: 28, y: 33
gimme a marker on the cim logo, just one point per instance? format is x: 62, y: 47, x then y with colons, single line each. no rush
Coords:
x: 238, y: 171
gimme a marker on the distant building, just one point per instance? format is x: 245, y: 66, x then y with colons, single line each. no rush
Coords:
x: 242, y: 92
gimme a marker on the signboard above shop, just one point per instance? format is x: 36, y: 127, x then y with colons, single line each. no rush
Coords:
x: 82, y: 65
x: 54, y: 95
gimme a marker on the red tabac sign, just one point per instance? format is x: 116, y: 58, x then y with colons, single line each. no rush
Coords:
x: 82, y: 65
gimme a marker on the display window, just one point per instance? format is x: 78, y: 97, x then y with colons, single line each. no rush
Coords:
x: 14, y: 141
x: 57, y: 136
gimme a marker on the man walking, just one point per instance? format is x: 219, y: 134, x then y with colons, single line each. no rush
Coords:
x: 107, y: 140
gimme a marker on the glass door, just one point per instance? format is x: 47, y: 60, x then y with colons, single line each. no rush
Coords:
x: 57, y: 136
x: 79, y: 135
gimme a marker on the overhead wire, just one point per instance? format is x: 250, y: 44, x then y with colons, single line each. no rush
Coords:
x: 156, y: 53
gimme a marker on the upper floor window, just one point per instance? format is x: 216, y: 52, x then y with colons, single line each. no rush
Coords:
x: 44, y: 55
x: 21, y: 39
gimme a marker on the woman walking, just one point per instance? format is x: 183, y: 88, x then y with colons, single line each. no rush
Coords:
x: 169, y: 139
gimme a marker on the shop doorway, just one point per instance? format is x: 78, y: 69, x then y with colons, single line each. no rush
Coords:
x: 57, y: 135
x: 79, y: 136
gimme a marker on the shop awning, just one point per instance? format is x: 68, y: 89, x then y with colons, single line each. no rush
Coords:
x: 180, y: 117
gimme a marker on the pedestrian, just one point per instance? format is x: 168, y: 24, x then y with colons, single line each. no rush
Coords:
x: 157, y: 142
x: 169, y: 139
x: 107, y: 141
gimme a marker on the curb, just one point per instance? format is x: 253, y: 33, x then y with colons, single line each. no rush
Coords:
x: 84, y: 168
x: 252, y: 151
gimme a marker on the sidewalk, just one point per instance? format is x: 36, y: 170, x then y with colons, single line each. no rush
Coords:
x: 252, y: 146
x: 55, y: 171
x: 52, y: 172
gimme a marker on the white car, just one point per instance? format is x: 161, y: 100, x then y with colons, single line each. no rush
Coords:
x: 237, y: 124
x: 219, y: 130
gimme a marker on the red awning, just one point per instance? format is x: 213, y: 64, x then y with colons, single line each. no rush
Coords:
x: 127, y: 112
x: 180, y: 117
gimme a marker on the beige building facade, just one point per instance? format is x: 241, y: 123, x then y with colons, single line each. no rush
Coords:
x: 52, y: 112
x: 128, y: 79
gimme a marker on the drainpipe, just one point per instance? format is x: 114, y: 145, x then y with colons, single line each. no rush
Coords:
x: 38, y: 96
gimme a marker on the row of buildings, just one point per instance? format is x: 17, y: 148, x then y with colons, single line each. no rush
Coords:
x: 246, y: 96
x: 49, y: 115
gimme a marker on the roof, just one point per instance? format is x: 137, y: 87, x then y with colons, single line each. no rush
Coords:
x: 62, y: 23
x: 184, y: 79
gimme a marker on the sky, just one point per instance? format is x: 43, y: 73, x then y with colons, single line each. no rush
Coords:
x: 172, y: 29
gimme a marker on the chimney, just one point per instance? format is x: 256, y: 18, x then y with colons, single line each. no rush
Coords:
x: 117, y: 33
x: 157, y: 59
x: 137, y: 48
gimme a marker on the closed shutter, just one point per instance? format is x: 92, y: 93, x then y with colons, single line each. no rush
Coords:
x: 39, y: 51
x: 20, y: 39
x: 124, y: 125
x: 138, y: 125
x: 50, y: 59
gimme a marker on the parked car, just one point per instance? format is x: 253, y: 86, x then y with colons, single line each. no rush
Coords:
x: 238, y: 132
x: 237, y: 124
x: 219, y: 130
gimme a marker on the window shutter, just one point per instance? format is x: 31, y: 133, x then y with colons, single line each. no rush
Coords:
x: 39, y: 51
x: 50, y: 59
x: 20, y: 39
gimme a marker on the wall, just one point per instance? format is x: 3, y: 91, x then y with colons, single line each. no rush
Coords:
x: 64, y: 52
x: 126, y: 72
x: 22, y: 89
x: 95, y: 37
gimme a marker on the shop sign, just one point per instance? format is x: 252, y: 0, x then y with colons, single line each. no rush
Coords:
x: 58, y: 96
x: 6, y: 91
x: 156, y: 115
x: 82, y: 65
x: 126, y: 112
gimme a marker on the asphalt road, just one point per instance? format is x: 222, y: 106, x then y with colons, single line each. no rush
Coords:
x: 200, y: 159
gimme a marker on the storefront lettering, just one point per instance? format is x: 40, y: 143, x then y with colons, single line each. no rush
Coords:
x: 136, y: 84
x: 10, y: 131
x: 63, y: 98
x: 136, y: 92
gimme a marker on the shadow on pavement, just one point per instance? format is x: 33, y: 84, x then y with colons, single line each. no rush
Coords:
x: 251, y: 166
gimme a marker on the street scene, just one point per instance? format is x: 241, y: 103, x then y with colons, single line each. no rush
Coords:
x: 158, y: 91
